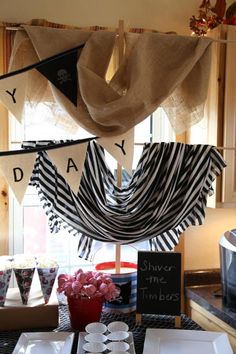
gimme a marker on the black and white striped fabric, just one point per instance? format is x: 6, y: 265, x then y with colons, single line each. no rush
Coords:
x: 167, y: 193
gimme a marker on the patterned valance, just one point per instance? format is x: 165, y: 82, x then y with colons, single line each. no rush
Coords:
x: 166, y: 194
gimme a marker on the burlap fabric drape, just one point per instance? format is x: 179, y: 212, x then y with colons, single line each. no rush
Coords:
x: 158, y: 69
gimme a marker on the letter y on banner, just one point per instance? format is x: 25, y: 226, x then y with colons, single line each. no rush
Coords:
x: 17, y: 170
x: 12, y: 93
x: 121, y: 148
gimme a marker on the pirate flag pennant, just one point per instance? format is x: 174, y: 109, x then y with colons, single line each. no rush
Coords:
x: 12, y: 93
x: 61, y: 71
x: 121, y: 148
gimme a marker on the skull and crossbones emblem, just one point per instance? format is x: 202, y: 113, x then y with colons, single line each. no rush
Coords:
x: 63, y: 76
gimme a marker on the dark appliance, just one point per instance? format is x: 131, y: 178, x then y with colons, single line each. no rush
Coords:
x: 228, y: 268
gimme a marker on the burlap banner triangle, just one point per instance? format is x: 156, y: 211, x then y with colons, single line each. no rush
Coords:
x: 69, y: 161
x: 62, y: 73
x: 17, y: 170
x: 12, y: 93
x: 121, y: 148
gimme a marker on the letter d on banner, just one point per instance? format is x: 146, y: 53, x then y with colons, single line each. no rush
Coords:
x: 17, y: 170
x: 18, y: 174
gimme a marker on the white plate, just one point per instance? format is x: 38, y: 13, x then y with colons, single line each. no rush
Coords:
x: 119, y: 335
x: 81, y: 342
x: 115, y: 346
x: 96, y: 327
x: 179, y: 341
x: 117, y: 326
x: 44, y: 342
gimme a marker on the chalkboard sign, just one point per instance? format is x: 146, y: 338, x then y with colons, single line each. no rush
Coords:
x: 159, y: 283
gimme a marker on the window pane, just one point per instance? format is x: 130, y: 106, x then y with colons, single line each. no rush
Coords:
x: 30, y: 232
x: 34, y: 230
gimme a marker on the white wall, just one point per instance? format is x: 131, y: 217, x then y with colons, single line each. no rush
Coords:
x: 201, y: 243
x: 164, y: 15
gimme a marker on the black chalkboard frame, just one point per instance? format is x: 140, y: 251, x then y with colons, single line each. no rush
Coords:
x: 159, y: 283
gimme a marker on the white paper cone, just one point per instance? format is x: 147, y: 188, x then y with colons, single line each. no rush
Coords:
x: 24, y: 279
x: 47, y: 277
x: 5, y: 276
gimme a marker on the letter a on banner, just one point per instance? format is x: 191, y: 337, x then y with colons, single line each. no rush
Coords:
x: 121, y: 148
x: 17, y: 170
x: 12, y: 93
x: 69, y: 161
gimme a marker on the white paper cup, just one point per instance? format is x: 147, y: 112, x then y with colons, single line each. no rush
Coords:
x: 95, y: 337
x: 118, y: 346
x: 96, y: 327
x: 94, y: 347
x: 118, y: 352
x: 117, y: 326
x: 118, y: 335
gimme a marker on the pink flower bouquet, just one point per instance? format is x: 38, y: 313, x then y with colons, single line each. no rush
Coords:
x: 90, y: 284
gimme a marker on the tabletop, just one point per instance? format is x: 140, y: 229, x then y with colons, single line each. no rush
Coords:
x: 8, y: 339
